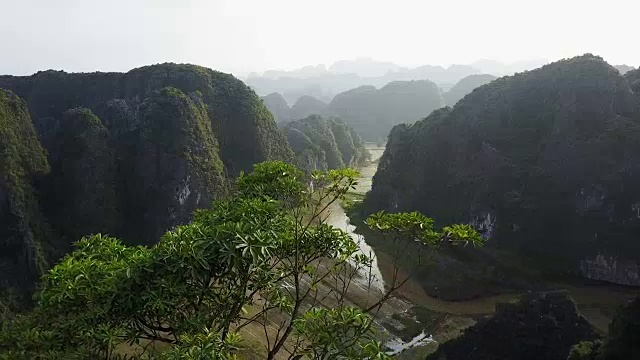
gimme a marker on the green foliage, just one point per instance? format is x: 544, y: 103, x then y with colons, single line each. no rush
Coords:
x: 417, y: 226
x: 204, y: 282
x: 584, y: 350
x: 204, y: 346
x: 322, y: 143
x: 274, y: 179
x: 339, y: 333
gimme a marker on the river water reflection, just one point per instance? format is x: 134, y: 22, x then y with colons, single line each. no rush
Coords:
x: 339, y: 219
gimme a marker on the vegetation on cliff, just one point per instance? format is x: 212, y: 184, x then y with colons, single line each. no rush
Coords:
x: 305, y: 106
x: 131, y: 154
x: 256, y: 260
x: 22, y: 161
x: 322, y: 143
x: 278, y: 107
x: 155, y: 144
x: 79, y: 194
x: 465, y: 86
x: 546, y: 162
x: 372, y: 112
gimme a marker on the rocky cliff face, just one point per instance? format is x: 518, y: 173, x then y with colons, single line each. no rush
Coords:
x: 131, y: 154
x: 22, y: 162
x: 372, y: 112
x: 538, y: 327
x: 611, y: 268
x: 322, y: 143
x: 548, y: 161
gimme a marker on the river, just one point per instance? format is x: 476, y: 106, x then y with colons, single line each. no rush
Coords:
x: 339, y: 219
x: 370, y: 279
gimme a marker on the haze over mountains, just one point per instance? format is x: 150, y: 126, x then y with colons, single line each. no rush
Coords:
x: 368, y: 103
x: 325, y: 82
x: 544, y: 163
x: 373, y: 112
x: 271, y: 180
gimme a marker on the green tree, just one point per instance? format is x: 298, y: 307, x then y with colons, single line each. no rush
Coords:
x: 261, y: 259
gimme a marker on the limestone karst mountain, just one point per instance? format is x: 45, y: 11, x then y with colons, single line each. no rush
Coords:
x: 130, y: 154
x: 322, y: 143
x: 373, y: 112
x: 278, y: 107
x: 305, y: 106
x: 465, y: 86
x: 546, y: 162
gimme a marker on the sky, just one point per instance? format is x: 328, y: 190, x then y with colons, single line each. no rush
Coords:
x: 242, y: 36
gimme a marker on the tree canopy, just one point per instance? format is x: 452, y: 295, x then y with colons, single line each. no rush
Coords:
x: 258, y: 259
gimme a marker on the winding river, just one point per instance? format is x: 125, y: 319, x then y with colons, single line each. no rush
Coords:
x: 339, y: 219
x: 370, y: 279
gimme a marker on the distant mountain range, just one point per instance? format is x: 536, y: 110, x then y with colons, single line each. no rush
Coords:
x: 324, y: 82
x: 372, y: 112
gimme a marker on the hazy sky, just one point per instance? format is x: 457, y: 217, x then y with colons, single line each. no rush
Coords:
x: 241, y: 36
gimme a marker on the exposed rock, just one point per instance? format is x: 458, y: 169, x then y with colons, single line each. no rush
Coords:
x: 613, y: 269
x: 537, y: 327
